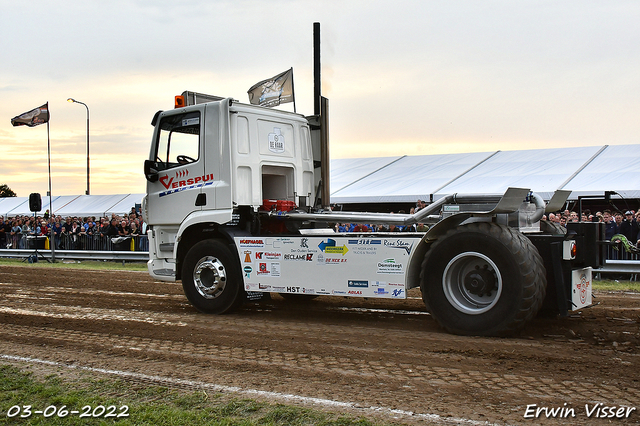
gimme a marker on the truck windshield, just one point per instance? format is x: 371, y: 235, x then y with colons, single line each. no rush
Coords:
x: 178, y: 140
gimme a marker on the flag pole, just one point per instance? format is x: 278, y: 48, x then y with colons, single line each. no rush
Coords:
x: 293, y: 91
x: 52, y: 241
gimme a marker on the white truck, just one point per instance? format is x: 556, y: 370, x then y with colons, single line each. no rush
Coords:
x: 235, y: 205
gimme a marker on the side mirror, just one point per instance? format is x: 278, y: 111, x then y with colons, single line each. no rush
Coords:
x: 150, y: 171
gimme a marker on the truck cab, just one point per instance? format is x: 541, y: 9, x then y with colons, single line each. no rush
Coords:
x: 212, y: 161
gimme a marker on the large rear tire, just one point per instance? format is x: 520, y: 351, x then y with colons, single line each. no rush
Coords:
x: 483, y: 279
x: 211, y: 278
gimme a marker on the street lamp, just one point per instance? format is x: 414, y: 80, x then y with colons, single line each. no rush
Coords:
x: 85, y: 105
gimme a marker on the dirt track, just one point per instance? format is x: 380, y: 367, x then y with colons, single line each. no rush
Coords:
x: 381, y: 353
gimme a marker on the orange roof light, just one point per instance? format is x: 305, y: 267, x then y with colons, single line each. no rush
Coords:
x: 179, y: 102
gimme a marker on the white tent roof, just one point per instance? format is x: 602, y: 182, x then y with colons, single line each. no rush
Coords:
x: 616, y: 168
x: 347, y: 171
x: 8, y: 204
x: 583, y: 170
x: 73, y: 205
x: 541, y: 170
x: 405, y: 179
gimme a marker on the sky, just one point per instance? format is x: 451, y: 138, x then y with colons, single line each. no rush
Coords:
x: 403, y: 77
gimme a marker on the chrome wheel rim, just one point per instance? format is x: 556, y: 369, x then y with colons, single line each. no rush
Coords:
x: 210, y: 277
x: 472, y: 283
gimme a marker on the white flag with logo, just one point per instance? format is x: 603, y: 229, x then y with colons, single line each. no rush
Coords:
x: 273, y: 91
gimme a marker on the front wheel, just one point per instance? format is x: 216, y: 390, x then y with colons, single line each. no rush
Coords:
x: 211, y: 278
x: 483, y: 279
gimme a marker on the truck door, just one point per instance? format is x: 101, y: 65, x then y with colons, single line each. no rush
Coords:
x: 177, y: 163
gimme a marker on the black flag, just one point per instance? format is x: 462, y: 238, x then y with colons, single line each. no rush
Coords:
x: 32, y: 118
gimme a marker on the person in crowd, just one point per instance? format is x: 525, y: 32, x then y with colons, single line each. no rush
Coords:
x: 16, y: 234
x: 26, y: 231
x: 360, y: 227
x: 618, y: 218
x: 82, y: 235
x: 124, y: 230
x: 3, y: 233
x: 65, y: 236
x: 629, y: 227
x: 44, y: 229
x: 113, y: 228
x: 57, y: 233
x: 394, y: 228
x: 610, y: 226
x: 144, y: 239
x: 35, y: 228
x: 422, y: 227
x: 104, y: 225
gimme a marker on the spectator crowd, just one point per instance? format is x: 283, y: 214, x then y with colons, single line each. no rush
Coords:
x: 360, y: 227
x: 616, y: 222
x: 75, y: 233
x: 91, y: 233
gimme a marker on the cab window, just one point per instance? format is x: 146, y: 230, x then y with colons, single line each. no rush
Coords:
x: 178, y: 140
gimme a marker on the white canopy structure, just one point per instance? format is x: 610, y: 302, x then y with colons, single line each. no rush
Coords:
x: 73, y: 205
x: 583, y: 170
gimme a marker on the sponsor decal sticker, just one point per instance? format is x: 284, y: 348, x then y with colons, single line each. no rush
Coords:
x: 389, y: 266
x: 271, y: 269
x: 357, y: 283
x: 268, y: 255
x: 399, y: 244
x: 276, y: 140
x: 251, y: 242
x: 329, y: 247
x: 583, y: 287
x: 247, y: 271
x: 397, y: 292
x: 364, y: 246
x: 334, y: 260
x: 364, y: 242
x: 308, y: 257
x: 380, y: 291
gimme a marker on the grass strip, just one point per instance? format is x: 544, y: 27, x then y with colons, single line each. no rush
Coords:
x: 145, y: 404
x: 77, y: 264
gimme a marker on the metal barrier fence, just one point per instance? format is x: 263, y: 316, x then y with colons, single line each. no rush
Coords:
x: 81, y: 247
x: 82, y: 242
